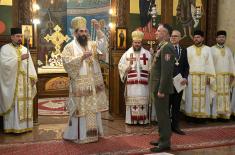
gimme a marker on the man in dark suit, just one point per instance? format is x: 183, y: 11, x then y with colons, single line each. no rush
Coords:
x: 162, y: 85
x: 181, y: 67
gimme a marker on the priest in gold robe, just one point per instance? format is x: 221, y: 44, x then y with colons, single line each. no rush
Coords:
x: 225, y: 71
x: 201, y: 80
x: 134, y: 68
x: 87, y: 98
x: 17, y: 85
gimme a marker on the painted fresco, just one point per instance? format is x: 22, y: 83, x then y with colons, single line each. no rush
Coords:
x: 87, y: 3
x: 90, y: 9
x: 62, y: 12
x: 185, y: 18
x: 140, y: 17
x: 5, y: 17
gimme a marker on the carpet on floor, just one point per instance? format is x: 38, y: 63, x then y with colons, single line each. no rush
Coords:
x: 195, y: 138
x: 52, y: 106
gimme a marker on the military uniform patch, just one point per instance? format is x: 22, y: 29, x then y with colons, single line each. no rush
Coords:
x: 167, y: 57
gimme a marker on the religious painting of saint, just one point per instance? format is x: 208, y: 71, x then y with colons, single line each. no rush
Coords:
x: 121, y: 38
x: 145, y: 16
x: 27, y: 31
x: 187, y: 16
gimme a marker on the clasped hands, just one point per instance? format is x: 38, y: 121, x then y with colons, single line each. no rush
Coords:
x: 184, y: 82
x: 86, y: 55
x: 24, y: 56
x: 160, y: 95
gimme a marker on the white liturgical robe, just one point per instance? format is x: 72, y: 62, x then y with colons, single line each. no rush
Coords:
x: 87, y: 97
x: 225, y: 69
x: 198, y: 94
x: 233, y: 92
x: 136, y: 83
x: 16, y: 92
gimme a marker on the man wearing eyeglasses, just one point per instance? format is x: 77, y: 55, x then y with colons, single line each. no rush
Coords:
x: 181, y: 67
x: 87, y: 97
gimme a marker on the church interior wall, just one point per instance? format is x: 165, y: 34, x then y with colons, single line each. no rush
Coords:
x: 226, y: 20
x: 61, y: 14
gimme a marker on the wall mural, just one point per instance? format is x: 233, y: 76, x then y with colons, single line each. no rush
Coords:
x: 61, y: 13
x: 5, y: 17
x: 90, y: 9
x: 141, y: 15
x: 187, y: 15
x: 87, y: 3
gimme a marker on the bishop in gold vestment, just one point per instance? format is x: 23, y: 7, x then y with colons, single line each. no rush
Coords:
x: 87, y: 98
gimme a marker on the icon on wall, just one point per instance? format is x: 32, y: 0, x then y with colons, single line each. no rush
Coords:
x: 121, y: 37
x: 27, y: 31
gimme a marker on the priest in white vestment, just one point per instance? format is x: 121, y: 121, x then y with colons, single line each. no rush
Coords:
x: 134, y: 67
x: 17, y: 85
x: 233, y: 92
x: 233, y: 98
x: 201, y: 80
x: 225, y: 71
x: 87, y: 98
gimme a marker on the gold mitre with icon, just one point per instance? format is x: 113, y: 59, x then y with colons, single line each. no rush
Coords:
x: 137, y: 35
x: 78, y: 23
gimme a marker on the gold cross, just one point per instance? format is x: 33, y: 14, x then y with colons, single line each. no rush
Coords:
x: 57, y: 38
x: 151, y: 43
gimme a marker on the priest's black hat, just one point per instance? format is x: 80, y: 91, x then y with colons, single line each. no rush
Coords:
x: 198, y: 32
x: 221, y: 32
x: 16, y: 30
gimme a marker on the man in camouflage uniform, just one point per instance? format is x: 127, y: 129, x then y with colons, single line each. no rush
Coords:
x: 162, y: 85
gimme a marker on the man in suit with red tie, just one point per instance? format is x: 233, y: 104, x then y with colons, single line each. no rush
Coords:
x: 181, y: 67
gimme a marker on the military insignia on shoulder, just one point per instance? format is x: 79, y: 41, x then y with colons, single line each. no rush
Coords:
x: 167, y: 57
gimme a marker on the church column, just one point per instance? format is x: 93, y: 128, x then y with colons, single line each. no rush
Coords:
x: 167, y: 15
x: 211, y: 25
x: 116, y: 93
x: 123, y: 9
x: 117, y: 106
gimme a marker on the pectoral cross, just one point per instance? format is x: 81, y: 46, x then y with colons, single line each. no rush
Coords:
x: 144, y: 58
x: 131, y: 59
x: 151, y: 43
